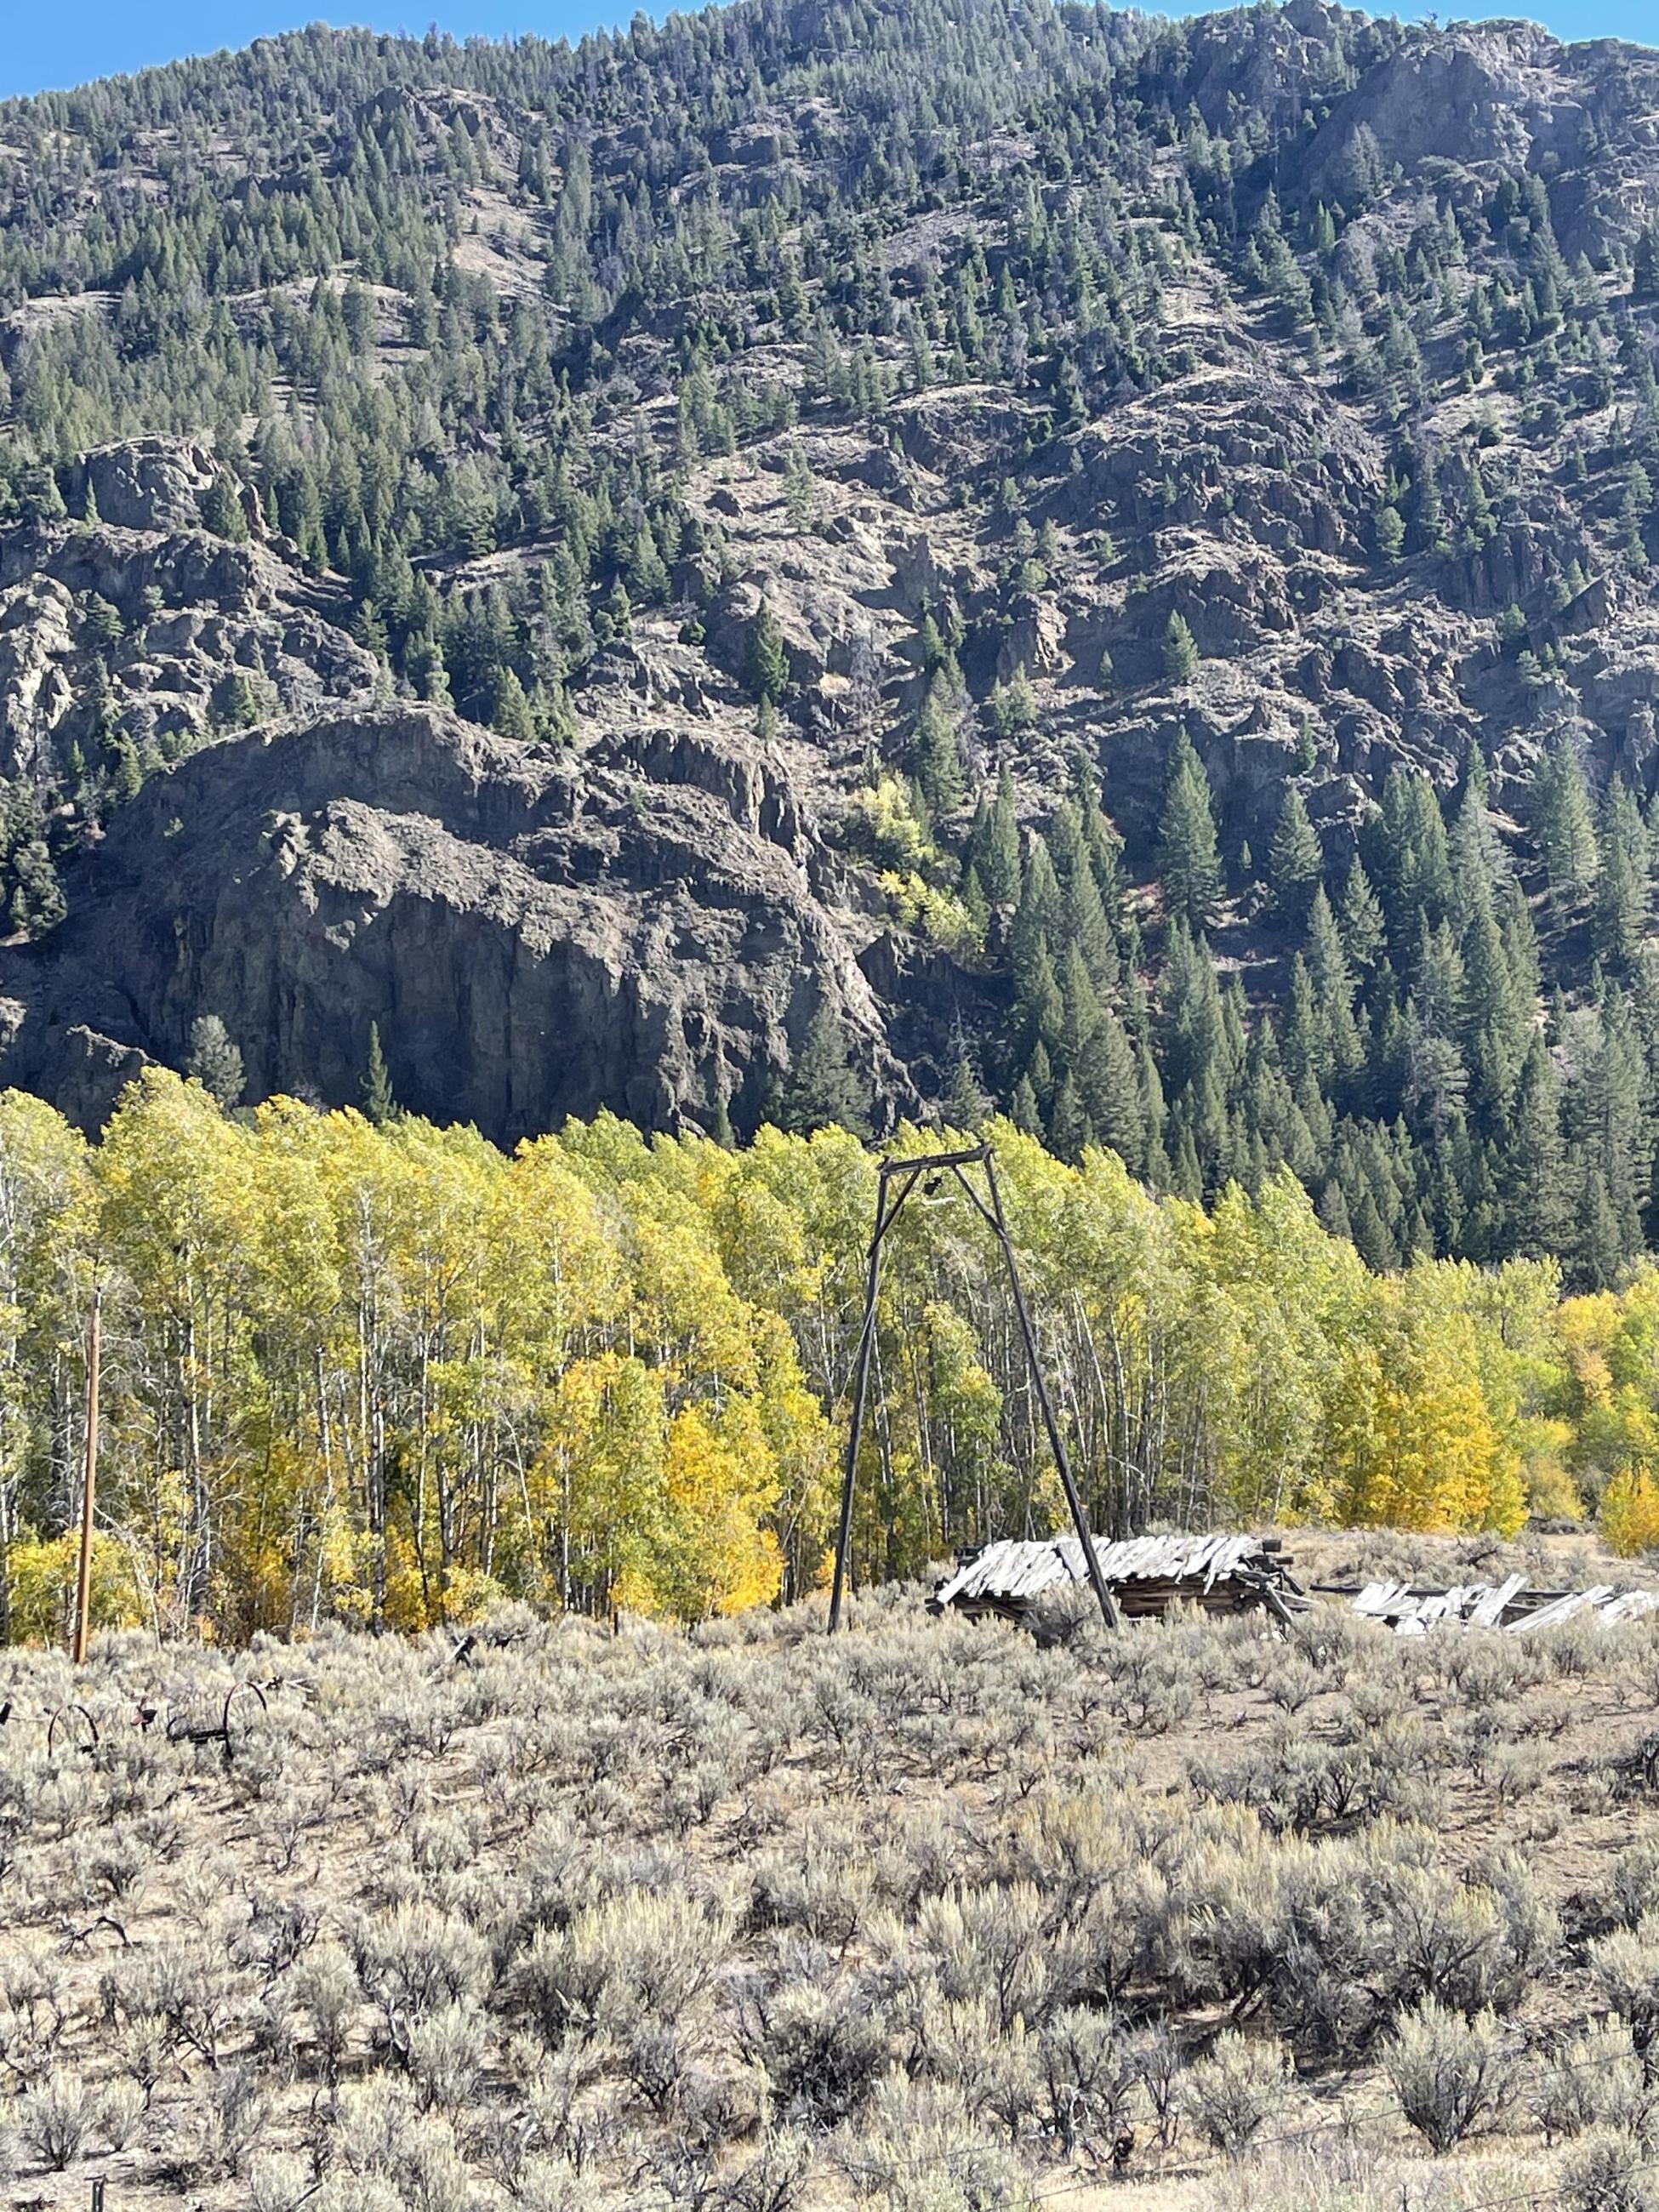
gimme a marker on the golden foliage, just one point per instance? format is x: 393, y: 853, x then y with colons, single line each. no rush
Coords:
x: 391, y: 1376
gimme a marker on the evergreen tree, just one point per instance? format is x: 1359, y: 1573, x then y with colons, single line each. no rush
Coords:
x: 221, y: 509
x: 822, y: 1089
x: 1038, y: 918
x: 1413, y: 868
x: 1187, y: 854
x: 215, y: 1061
x: 1562, y: 823
x: 1068, y: 1126
x: 1624, y: 880
x: 1180, y: 650
x: 513, y: 718
x: 995, y: 846
x: 1538, y: 1196
x: 1023, y: 1110
x: 1493, y: 1027
x: 939, y: 759
x: 1296, y: 859
x: 1111, y: 1092
x: 964, y: 1102
x: 768, y: 658
x: 1363, y: 935
x: 1083, y: 925
x: 378, y: 1103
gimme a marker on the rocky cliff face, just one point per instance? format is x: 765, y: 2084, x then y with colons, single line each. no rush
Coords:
x: 636, y: 929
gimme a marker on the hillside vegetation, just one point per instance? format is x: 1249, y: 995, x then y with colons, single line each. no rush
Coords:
x: 837, y: 451
x: 383, y: 1374
x: 920, y: 1919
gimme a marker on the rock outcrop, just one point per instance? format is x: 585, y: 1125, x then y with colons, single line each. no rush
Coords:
x: 535, y: 937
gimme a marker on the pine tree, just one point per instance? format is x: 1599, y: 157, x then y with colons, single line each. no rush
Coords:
x: 1624, y: 880
x: 1561, y: 820
x: 1363, y: 935
x: 379, y: 1104
x: 1296, y: 859
x: 1068, y: 1125
x: 1180, y: 650
x: 1023, y: 1109
x: 964, y: 1102
x: 768, y: 658
x: 1493, y: 1026
x: 1083, y: 925
x: 1038, y: 918
x: 996, y: 856
x: 221, y: 509
x: 1012, y: 706
x: 1079, y: 1004
x: 938, y: 760
x: 1332, y: 987
x: 1110, y: 1091
x: 1537, y: 1196
x: 823, y: 1090
x: 1186, y: 856
x: 1476, y: 856
x: 513, y: 718
x: 215, y: 1061
x: 1413, y: 868
x: 1608, y: 1114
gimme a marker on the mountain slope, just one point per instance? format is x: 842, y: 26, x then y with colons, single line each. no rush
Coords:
x: 834, y: 448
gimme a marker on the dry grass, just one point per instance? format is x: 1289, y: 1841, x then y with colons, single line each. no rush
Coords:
x: 927, y: 1918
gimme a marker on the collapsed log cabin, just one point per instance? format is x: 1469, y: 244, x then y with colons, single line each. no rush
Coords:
x: 1017, y: 1581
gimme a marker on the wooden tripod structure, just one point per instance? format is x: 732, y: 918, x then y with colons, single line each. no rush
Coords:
x: 898, y: 1179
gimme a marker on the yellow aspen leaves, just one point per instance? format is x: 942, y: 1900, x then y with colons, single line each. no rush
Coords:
x: 391, y: 1376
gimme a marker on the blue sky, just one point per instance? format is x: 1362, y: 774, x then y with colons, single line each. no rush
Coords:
x: 44, y: 45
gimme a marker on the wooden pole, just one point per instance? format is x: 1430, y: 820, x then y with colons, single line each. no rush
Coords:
x: 885, y: 1219
x: 83, y: 1584
x: 1056, y: 1441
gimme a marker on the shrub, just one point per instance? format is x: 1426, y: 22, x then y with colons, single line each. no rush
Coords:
x: 997, y: 1942
x: 822, y: 2050
x: 1450, y: 2074
x: 553, y: 2184
x: 233, y: 2120
x: 447, y: 2054
x: 631, y: 1954
x: 1635, y: 1881
x: 56, y: 2116
x: 279, y: 2182
x: 1609, y: 2172
x: 1596, y: 2079
x: 773, y: 2179
x: 417, y: 1960
x: 1624, y: 1968
x: 323, y: 1987
x: 920, y: 2150
x: 1089, y: 2073
x: 1234, y: 2090
x: 121, y: 2106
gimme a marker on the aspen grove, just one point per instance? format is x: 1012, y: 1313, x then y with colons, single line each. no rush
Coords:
x: 385, y: 1374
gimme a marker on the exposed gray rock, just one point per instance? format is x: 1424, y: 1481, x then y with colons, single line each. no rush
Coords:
x: 535, y: 938
x: 149, y: 483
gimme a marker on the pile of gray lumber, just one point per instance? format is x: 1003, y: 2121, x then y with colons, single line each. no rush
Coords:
x: 1506, y: 1605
